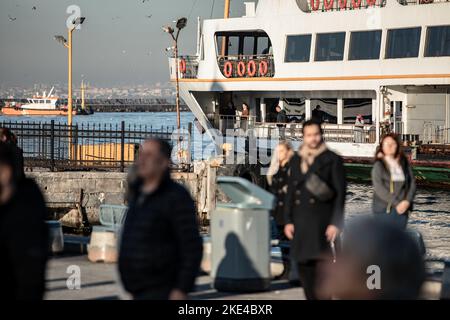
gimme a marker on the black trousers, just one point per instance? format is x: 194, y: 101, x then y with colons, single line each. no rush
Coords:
x: 307, y: 272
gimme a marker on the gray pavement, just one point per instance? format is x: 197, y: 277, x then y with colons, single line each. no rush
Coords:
x: 100, y: 281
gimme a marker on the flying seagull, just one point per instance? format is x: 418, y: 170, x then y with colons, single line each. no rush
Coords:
x: 149, y: 16
x: 11, y: 18
x: 34, y: 8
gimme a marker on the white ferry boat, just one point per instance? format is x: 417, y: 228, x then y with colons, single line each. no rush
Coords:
x: 388, y: 60
x: 38, y: 105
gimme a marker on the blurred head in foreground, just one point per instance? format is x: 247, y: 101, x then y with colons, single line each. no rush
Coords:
x: 378, y: 261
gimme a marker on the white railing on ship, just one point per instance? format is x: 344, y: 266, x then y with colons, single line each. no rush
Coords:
x: 346, y: 133
x: 416, y: 2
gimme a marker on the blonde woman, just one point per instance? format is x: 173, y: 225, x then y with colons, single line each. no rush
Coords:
x: 277, y: 178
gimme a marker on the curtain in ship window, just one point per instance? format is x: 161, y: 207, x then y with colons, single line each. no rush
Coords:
x: 438, y: 41
x: 298, y: 48
x: 365, y: 45
x: 403, y: 43
x: 330, y: 46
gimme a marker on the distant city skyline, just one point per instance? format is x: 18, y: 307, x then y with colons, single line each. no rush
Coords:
x: 120, y: 43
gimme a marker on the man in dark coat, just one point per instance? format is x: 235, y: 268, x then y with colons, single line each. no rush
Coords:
x: 281, y: 115
x: 23, y: 231
x: 161, y: 247
x: 313, y: 223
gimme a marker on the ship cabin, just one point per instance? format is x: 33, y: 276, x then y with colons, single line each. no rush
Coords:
x: 363, y: 67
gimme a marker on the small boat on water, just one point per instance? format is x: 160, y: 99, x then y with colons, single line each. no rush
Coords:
x: 38, y: 105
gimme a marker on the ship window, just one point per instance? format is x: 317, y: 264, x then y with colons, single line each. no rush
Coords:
x: 263, y: 45
x: 242, y: 43
x: 365, y: 45
x: 438, y: 41
x: 403, y: 43
x: 47, y: 101
x: 298, y: 48
x: 330, y: 46
x: 249, y: 45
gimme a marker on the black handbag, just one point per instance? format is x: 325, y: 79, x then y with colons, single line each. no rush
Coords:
x: 318, y: 188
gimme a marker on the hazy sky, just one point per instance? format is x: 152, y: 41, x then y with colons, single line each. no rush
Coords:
x: 118, y: 44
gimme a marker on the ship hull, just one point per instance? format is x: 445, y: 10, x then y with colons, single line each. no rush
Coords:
x: 427, y: 173
x: 33, y: 112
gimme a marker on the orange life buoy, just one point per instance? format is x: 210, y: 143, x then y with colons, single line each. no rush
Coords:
x: 315, y: 4
x: 182, y: 66
x: 241, y: 69
x: 356, y: 4
x: 342, y: 4
x: 328, y: 4
x: 371, y: 2
x: 263, y: 68
x: 425, y: 1
x: 251, y: 68
x: 228, y: 69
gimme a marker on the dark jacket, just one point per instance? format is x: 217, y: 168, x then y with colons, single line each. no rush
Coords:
x: 281, y: 117
x: 310, y: 216
x: 161, y: 247
x: 23, y: 244
x: 381, y: 177
x: 279, y: 188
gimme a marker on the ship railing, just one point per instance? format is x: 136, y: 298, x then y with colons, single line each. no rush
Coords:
x: 345, y: 133
x: 434, y: 133
x: 264, y: 65
x: 339, y: 5
x: 92, y: 146
x: 419, y: 2
x: 187, y: 67
x: 234, y: 125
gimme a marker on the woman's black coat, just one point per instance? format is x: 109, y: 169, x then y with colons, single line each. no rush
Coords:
x: 279, y: 189
x: 310, y: 216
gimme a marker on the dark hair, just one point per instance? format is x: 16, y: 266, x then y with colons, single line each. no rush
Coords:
x: 311, y: 122
x: 8, y: 136
x: 9, y: 157
x: 245, y: 104
x: 398, y: 153
x: 374, y: 241
x: 164, y: 147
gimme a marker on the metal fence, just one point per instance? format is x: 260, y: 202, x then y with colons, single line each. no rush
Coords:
x: 58, y: 146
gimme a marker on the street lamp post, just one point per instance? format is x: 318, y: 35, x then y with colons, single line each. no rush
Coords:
x: 68, y: 45
x: 181, y: 23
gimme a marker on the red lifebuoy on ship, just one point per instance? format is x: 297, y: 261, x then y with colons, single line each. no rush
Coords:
x: 227, y: 69
x: 182, y: 66
x: 356, y: 4
x: 315, y: 4
x: 342, y: 4
x: 263, y: 68
x: 328, y: 4
x: 425, y: 1
x: 371, y: 2
x: 241, y: 69
x: 251, y: 68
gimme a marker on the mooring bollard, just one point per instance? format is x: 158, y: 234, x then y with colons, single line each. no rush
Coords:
x: 55, y: 237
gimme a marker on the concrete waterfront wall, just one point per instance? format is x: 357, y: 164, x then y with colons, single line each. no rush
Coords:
x: 62, y: 189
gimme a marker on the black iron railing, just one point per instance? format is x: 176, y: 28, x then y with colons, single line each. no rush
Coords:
x: 57, y: 146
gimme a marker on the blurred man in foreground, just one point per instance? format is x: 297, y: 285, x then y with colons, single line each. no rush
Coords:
x: 23, y: 232
x: 378, y: 261
x: 161, y: 248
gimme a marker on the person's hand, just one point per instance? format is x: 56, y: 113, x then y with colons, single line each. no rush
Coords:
x: 402, y: 206
x: 331, y: 233
x: 289, y: 231
x: 177, y: 294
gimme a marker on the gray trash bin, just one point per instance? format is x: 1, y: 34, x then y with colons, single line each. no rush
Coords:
x: 240, y: 237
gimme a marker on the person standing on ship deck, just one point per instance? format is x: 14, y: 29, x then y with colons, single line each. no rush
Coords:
x: 393, y: 181
x: 314, y: 210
